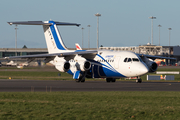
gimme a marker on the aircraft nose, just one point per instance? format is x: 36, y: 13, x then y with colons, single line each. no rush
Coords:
x: 143, y: 69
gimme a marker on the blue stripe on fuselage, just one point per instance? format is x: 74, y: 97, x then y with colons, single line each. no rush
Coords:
x: 54, y: 33
x: 106, y: 70
x: 79, y: 50
x: 105, y: 60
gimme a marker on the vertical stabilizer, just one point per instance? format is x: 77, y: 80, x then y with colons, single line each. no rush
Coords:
x: 53, y: 39
x: 78, y: 47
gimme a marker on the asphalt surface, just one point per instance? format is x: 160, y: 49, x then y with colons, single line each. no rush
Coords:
x: 43, y: 86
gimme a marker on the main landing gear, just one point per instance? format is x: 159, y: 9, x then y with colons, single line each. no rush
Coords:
x: 138, y: 80
x: 82, y: 77
x: 110, y: 80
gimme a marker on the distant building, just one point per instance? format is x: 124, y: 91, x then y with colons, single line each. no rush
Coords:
x: 6, y: 52
x: 167, y: 51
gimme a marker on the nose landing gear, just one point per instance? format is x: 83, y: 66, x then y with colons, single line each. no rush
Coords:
x: 138, y: 80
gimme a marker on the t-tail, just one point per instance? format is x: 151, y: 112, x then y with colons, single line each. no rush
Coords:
x: 53, y: 38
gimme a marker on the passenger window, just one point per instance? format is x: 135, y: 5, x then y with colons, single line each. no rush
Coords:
x: 125, y: 59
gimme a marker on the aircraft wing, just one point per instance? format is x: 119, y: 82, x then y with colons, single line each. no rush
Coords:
x: 155, y: 57
x: 64, y: 54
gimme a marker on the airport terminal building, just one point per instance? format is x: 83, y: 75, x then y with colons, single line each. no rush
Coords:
x: 7, y: 52
x: 166, y: 51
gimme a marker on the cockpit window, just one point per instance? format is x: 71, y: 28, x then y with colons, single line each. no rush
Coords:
x: 129, y: 59
x: 135, y: 59
x: 125, y: 59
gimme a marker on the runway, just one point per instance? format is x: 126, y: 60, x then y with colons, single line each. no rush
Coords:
x: 60, y: 85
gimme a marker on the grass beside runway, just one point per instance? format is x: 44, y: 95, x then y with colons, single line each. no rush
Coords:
x: 90, y: 105
x: 50, y: 73
x: 33, y: 73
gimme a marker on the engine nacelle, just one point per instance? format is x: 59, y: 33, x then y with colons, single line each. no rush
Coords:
x: 83, y: 65
x: 63, y: 66
x: 151, y: 64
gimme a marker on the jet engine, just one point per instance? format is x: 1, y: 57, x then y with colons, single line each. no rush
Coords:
x: 151, y: 64
x: 83, y: 65
x: 63, y: 67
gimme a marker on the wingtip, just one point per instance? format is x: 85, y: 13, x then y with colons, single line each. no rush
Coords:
x: 10, y: 23
x: 78, y: 25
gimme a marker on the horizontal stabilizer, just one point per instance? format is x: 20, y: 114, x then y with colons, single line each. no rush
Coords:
x: 41, y: 23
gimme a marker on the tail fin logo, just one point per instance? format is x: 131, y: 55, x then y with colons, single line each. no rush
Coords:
x: 49, y: 38
x: 78, y: 46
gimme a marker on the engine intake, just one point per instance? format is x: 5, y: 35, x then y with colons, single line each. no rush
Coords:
x: 63, y: 67
x: 84, y: 65
x: 153, y: 67
x: 151, y: 64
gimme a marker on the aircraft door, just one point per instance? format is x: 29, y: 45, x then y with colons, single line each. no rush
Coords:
x: 116, y: 62
x: 129, y: 62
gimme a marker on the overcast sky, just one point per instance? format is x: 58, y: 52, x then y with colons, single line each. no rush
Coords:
x: 122, y: 22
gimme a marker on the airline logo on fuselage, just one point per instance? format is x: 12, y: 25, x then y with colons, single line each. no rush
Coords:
x: 109, y: 56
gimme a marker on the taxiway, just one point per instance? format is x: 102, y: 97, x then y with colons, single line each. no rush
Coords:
x: 61, y: 85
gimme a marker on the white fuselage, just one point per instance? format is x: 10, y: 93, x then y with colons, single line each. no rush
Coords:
x: 127, y: 64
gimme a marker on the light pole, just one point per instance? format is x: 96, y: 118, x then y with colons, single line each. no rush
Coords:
x: 152, y: 29
x: 82, y: 36
x: 89, y: 37
x: 159, y: 33
x: 169, y: 34
x: 16, y: 40
x: 97, y: 15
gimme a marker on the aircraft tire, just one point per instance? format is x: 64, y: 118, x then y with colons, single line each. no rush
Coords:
x: 108, y: 80
x: 83, y: 80
x: 138, y: 80
x: 77, y: 80
x: 113, y: 80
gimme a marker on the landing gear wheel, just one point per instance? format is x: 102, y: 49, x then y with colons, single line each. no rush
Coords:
x: 138, y: 80
x: 113, y: 80
x: 81, y: 79
x: 77, y: 80
x: 110, y: 80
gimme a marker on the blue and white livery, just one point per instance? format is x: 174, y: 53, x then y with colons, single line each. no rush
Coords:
x: 83, y: 64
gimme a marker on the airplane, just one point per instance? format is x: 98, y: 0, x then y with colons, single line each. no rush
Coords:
x: 83, y: 64
x: 11, y: 63
x: 78, y: 47
x: 159, y: 61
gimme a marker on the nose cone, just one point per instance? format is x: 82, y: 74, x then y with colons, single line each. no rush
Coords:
x: 143, y: 69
